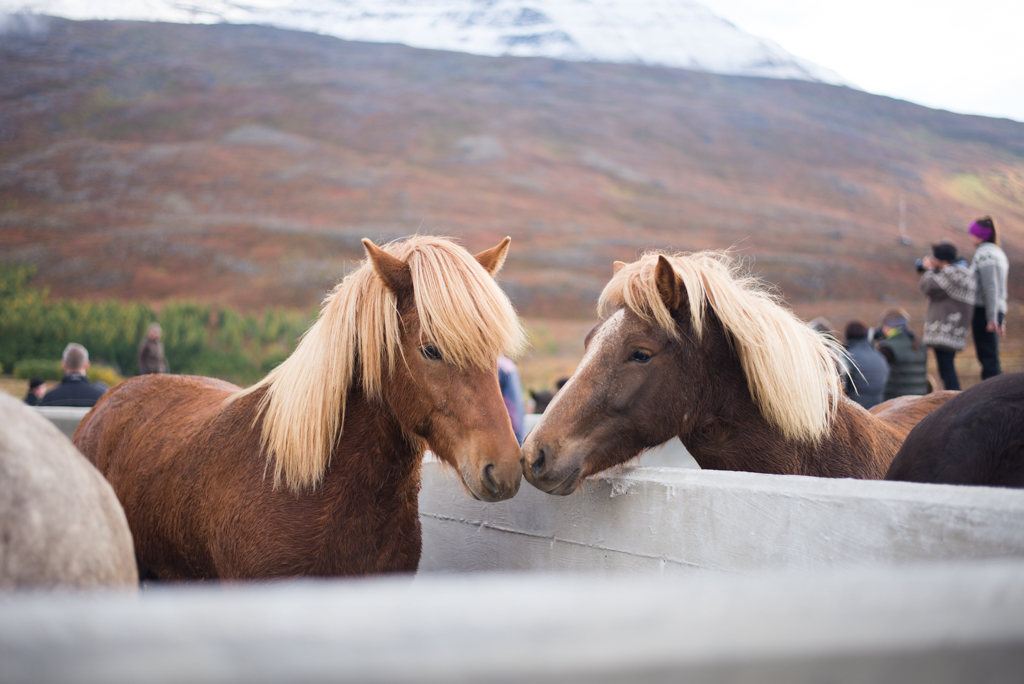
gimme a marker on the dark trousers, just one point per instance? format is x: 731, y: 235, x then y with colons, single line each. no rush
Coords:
x: 986, y: 343
x: 947, y: 370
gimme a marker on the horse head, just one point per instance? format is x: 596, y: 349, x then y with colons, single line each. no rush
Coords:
x: 444, y: 388
x: 684, y: 347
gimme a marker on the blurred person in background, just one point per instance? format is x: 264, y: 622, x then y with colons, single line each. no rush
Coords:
x: 991, y: 268
x: 75, y: 389
x: 151, y: 352
x: 512, y: 393
x: 949, y: 286
x: 866, y: 381
x: 36, y: 391
x: 906, y: 356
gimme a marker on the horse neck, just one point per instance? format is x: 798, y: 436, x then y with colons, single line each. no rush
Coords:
x: 372, y: 452
x: 734, y: 435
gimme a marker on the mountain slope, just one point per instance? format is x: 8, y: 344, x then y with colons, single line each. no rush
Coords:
x: 675, y: 33
x: 243, y: 164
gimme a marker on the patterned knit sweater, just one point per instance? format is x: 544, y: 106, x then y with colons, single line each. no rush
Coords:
x: 951, y: 296
x: 991, y: 267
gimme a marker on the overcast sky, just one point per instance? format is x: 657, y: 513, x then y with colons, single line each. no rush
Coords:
x: 966, y: 56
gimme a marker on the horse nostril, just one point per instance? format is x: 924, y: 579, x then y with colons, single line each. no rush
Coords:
x: 537, y: 465
x: 488, y: 478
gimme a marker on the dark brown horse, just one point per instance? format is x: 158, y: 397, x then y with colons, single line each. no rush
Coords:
x: 687, y: 347
x: 315, y: 470
x: 977, y: 438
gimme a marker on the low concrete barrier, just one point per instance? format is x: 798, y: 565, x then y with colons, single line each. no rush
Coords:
x: 913, y: 625
x: 66, y: 418
x: 675, y: 520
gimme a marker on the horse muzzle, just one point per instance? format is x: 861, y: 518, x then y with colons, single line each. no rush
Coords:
x: 546, y: 468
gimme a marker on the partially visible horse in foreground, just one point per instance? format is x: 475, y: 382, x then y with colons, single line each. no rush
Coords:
x: 60, y: 523
x: 976, y: 438
x: 688, y: 347
x: 315, y: 470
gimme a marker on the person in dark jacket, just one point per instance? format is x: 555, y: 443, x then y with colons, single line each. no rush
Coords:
x: 151, y: 352
x: 866, y: 380
x: 75, y: 389
x: 906, y: 356
x: 950, y: 289
x: 36, y: 391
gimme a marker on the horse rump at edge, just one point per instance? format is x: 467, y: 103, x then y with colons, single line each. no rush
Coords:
x: 976, y: 438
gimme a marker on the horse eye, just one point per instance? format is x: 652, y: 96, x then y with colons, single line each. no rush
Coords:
x: 640, y: 357
x: 431, y: 352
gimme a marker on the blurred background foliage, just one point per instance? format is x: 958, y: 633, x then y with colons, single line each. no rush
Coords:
x: 199, y: 339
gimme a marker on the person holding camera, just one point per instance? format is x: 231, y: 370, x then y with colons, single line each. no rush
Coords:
x: 990, y: 267
x: 950, y: 288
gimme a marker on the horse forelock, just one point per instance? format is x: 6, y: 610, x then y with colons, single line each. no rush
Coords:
x: 790, y: 369
x: 461, y: 310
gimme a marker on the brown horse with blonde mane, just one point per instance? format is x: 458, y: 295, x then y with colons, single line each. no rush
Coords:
x: 315, y: 470
x: 688, y: 346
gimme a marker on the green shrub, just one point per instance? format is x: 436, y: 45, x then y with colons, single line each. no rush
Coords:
x: 102, y: 373
x: 199, y: 339
x: 47, y: 369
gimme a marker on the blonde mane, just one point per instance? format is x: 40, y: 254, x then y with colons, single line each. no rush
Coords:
x: 790, y: 369
x: 461, y: 310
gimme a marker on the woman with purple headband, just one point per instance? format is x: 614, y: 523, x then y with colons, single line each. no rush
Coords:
x: 990, y: 267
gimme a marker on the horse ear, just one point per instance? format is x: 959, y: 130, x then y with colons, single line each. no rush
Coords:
x: 618, y: 266
x: 494, y: 258
x: 668, y: 284
x: 393, y: 271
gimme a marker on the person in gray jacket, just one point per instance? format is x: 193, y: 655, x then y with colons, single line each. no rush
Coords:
x: 950, y: 288
x: 866, y: 380
x: 991, y: 268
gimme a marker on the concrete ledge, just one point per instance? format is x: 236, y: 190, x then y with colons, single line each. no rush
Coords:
x: 66, y: 418
x: 675, y: 520
x: 960, y: 623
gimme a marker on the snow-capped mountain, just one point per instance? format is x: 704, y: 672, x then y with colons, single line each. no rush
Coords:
x: 675, y: 33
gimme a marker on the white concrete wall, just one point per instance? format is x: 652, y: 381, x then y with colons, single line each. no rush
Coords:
x: 680, y: 521
x: 912, y: 625
x: 66, y: 418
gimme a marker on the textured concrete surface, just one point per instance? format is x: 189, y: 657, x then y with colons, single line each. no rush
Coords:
x: 66, y: 418
x: 957, y: 623
x: 675, y: 520
x: 61, y: 524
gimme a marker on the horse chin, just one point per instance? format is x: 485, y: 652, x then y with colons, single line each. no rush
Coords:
x: 495, y: 490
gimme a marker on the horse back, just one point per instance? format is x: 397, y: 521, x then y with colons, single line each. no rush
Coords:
x: 903, y: 413
x: 144, y: 409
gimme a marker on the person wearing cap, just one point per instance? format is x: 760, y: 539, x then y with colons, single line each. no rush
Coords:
x: 950, y: 288
x: 865, y: 382
x: 991, y: 268
x: 36, y: 391
x: 75, y: 389
x: 151, y: 351
x: 907, y: 358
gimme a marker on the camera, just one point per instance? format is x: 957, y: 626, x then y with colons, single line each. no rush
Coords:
x: 920, y: 266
